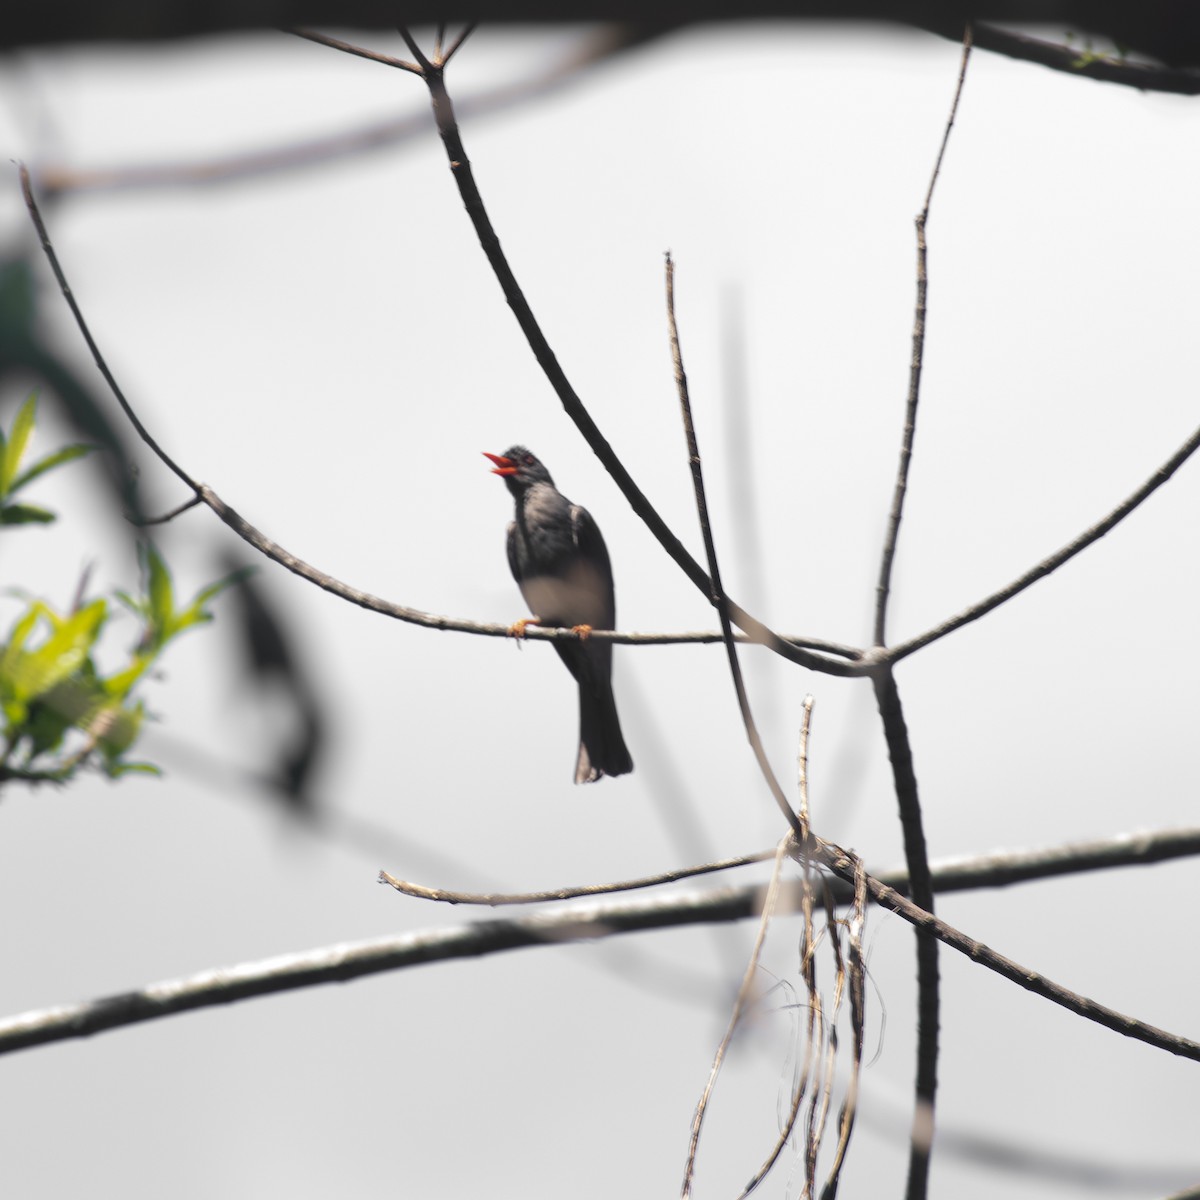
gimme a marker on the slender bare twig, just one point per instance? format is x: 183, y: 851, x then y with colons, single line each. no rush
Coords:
x: 336, y: 964
x: 883, y: 588
x: 739, y: 1006
x: 333, y: 43
x: 1056, y: 560
x: 457, y: 44
x: 857, y: 972
x: 717, y: 596
x: 177, y: 511
x: 498, y: 899
x: 460, y: 167
x: 808, y: 941
x: 949, y: 875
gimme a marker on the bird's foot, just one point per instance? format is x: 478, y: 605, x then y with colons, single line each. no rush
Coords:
x: 517, y: 628
x: 584, y: 631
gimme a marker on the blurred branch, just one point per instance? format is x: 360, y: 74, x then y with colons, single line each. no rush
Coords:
x: 1146, y: 77
x: 353, y: 960
x: 1163, y: 29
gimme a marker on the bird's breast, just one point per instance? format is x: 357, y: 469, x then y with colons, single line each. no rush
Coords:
x: 580, y: 596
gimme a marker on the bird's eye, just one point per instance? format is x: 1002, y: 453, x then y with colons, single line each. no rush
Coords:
x: 529, y: 460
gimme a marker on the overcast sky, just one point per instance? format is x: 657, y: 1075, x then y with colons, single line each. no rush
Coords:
x: 327, y: 349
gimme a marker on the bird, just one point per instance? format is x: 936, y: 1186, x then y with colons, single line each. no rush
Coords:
x: 558, y: 558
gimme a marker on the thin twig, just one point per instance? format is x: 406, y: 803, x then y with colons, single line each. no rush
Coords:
x: 739, y: 1005
x: 1056, y: 560
x: 177, y: 511
x: 800, y: 1087
x: 883, y: 588
x: 857, y: 972
x: 69, y: 296
x: 456, y: 45
x: 497, y: 899
x: 717, y: 596
x: 949, y: 875
x: 333, y: 43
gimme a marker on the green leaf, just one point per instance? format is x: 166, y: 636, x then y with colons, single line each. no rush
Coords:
x: 64, y: 652
x: 114, y: 770
x: 18, y: 441
x: 160, y: 593
x: 25, y: 514
x: 65, y: 455
x: 119, y: 685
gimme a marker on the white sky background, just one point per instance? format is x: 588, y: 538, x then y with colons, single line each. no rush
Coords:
x: 328, y: 350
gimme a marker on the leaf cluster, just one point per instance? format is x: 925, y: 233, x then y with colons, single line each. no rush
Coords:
x: 58, y: 710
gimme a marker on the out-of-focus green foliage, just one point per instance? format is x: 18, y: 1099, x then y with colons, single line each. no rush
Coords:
x: 58, y: 712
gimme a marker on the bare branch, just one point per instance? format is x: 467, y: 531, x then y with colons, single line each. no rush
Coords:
x: 888, y: 701
x: 1056, y: 560
x: 843, y: 864
x: 457, y: 44
x: 719, y: 600
x: 883, y: 588
x: 262, y: 543
x: 337, y: 964
x: 916, y: 856
x: 69, y: 296
x: 1002, y: 869
x: 333, y: 43
x: 460, y: 167
x: 1146, y: 77
x: 497, y: 899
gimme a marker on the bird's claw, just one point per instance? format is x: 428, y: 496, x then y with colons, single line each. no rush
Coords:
x: 517, y: 628
x: 583, y: 631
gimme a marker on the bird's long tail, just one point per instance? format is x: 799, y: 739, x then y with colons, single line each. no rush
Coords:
x: 602, y: 749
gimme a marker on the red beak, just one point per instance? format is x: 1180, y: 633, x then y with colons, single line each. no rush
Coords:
x: 504, y: 466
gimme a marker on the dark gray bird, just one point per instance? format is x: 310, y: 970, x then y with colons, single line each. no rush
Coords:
x: 560, y: 563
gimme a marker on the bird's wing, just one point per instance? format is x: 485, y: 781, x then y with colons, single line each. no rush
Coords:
x: 513, y: 565
x: 589, y: 542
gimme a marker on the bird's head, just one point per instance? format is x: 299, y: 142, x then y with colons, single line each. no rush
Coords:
x: 519, y: 468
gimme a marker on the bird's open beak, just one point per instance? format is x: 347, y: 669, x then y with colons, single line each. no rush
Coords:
x: 504, y: 466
